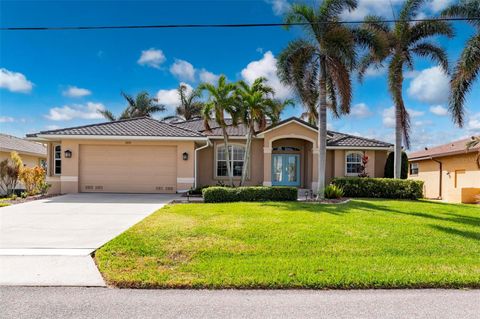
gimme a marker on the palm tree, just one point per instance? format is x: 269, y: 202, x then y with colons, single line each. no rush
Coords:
x: 405, y: 40
x: 468, y: 65
x: 256, y: 105
x: 221, y: 101
x: 142, y: 105
x: 318, y: 68
x: 475, y: 141
x: 190, y: 107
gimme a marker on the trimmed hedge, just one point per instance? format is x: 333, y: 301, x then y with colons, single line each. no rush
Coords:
x: 217, y: 194
x: 380, y: 187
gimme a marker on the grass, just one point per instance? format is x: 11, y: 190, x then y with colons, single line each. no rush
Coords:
x: 361, y: 244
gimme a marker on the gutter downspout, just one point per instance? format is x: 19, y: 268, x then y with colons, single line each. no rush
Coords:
x: 440, y: 167
x: 195, y: 161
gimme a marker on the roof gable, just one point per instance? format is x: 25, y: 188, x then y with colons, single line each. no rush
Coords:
x: 452, y: 148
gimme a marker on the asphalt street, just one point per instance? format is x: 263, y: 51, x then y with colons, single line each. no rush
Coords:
x: 71, y: 302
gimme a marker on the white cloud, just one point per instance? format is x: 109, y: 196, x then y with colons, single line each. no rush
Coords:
x: 74, y: 91
x: 388, y: 116
x: 473, y: 124
x: 152, y: 57
x: 430, y: 86
x: 366, y: 7
x: 266, y: 67
x: 438, y: 5
x: 207, y: 76
x: 14, y: 81
x: 360, y: 110
x: 373, y: 71
x: 170, y: 98
x: 438, y: 110
x: 6, y: 119
x: 87, y: 111
x: 279, y: 7
x: 183, y: 70
x: 52, y: 127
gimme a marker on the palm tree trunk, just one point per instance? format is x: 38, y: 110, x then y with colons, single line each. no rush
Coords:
x: 322, y: 130
x: 397, y: 162
x: 246, y: 157
x: 227, y: 156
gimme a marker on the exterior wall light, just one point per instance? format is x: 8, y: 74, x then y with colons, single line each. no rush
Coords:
x: 68, y: 154
x: 185, y: 156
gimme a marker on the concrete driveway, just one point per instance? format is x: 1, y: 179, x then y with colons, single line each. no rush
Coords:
x: 49, y: 242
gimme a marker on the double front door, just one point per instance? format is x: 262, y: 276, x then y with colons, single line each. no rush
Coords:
x: 286, y: 169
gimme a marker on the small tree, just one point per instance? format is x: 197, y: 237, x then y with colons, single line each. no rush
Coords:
x: 363, y: 172
x: 389, y: 166
x: 33, y: 179
x: 9, y: 173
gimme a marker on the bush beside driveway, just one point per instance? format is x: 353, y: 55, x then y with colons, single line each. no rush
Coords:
x: 361, y: 244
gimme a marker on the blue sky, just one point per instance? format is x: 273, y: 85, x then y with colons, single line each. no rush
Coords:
x: 52, y: 79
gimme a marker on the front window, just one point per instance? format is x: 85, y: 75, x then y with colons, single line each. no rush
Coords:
x: 236, y: 154
x: 353, y: 164
x: 413, y: 168
x: 57, y: 159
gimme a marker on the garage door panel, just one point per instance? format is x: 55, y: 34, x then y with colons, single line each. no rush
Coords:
x: 128, y: 168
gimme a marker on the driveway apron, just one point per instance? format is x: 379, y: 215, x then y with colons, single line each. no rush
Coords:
x: 49, y: 242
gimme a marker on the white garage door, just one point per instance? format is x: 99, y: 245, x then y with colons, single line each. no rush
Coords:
x: 128, y: 169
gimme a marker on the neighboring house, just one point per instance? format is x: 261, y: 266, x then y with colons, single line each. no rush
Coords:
x: 143, y: 155
x: 450, y: 172
x: 32, y: 153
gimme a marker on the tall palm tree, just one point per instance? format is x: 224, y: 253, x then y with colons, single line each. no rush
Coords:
x: 256, y: 105
x: 468, y: 65
x: 405, y: 40
x: 319, y: 66
x: 190, y: 106
x: 142, y: 105
x: 221, y: 102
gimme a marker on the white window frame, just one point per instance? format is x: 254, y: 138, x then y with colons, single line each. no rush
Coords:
x: 346, y: 162
x: 55, y: 159
x: 416, y: 167
x: 233, y: 145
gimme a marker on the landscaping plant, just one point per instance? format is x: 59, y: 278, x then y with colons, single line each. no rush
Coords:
x: 380, y: 187
x: 9, y: 173
x: 333, y: 192
x: 249, y: 194
x: 32, y: 179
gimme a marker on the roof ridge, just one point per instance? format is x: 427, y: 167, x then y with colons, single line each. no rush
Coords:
x: 95, y: 124
x: 177, y: 127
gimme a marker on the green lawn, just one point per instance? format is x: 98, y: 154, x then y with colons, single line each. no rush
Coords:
x: 362, y: 244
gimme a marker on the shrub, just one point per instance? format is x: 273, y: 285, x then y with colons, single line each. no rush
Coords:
x: 389, y: 166
x: 9, y: 173
x: 380, y: 187
x: 333, y: 192
x: 249, y: 194
x: 33, y: 179
x: 197, y: 190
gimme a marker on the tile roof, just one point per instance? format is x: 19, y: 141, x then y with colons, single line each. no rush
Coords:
x: 12, y: 143
x: 452, y: 148
x: 141, y: 126
x: 146, y: 126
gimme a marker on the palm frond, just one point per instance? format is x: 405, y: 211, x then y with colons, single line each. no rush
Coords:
x: 465, y: 73
x: 435, y: 53
x: 107, y: 114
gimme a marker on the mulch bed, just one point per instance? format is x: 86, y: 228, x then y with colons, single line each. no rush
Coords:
x: 20, y: 200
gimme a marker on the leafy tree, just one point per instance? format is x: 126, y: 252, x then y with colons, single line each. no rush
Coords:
x: 256, y: 105
x: 468, y: 65
x: 142, y: 105
x: 318, y: 67
x: 10, y: 170
x: 390, y: 164
x: 405, y: 39
x: 221, y: 101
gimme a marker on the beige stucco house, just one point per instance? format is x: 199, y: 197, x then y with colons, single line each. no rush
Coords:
x: 450, y: 172
x: 32, y: 153
x: 144, y: 155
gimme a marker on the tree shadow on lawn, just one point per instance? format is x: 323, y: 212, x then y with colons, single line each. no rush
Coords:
x: 457, y: 232
x: 376, y: 206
